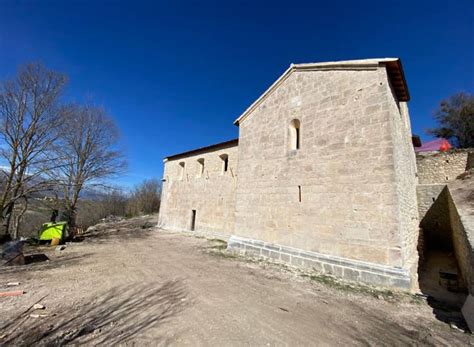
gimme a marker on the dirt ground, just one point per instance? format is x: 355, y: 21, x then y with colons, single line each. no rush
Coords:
x: 132, y: 284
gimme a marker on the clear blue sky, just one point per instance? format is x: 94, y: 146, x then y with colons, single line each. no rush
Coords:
x: 175, y: 75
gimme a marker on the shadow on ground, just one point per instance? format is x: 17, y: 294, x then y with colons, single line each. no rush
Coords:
x: 119, y: 315
x: 38, y: 262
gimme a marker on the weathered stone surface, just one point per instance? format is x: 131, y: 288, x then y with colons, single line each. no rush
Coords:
x: 347, y: 209
x: 210, y: 193
x: 443, y: 167
x: 468, y: 312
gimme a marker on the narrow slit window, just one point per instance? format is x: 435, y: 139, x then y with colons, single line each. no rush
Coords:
x: 225, y: 163
x: 295, y: 134
x: 299, y: 193
x: 182, y: 169
x: 201, y: 167
x: 297, y: 138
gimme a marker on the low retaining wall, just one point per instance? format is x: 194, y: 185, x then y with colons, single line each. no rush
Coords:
x: 461, y: 207
x: 443, y: 167
x: 462, y: 247
x: 348, y: 269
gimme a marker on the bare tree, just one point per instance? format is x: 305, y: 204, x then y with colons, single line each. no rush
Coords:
x: 455, y: 117
x: 145, y: 198
x: 89, y: 150
x: 114, y: 202
x: 30, y: 115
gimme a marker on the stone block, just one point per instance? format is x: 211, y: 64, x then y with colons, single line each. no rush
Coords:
x: 351, y: 274
x: 298, y: 262
x: 274, y: 255
x: 252, y: 250
x: 328, y: 269
x: 285, y: 257
x: 375, y: 279
x: 468, y: 312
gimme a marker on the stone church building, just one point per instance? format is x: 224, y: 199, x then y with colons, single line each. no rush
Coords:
x: 323, y: 175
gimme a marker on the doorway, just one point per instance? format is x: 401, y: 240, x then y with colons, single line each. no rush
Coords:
x: 193, y: 220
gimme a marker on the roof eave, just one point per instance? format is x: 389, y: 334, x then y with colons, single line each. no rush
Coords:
x: 225, y: 144
x: 397, y: 79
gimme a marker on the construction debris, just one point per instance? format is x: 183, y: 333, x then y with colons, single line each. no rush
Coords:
x: 35, y: 315
x: 12, y: 253
x: 38, y: 307
x: 13, y: 284
x: 13, y: 293
x: 112, y: 219
x: 58, y: 249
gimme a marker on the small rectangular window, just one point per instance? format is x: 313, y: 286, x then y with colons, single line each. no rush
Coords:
x: 225, y: 163
x: 182, y: 170
x: 299, y: 193
x: 201, y: 167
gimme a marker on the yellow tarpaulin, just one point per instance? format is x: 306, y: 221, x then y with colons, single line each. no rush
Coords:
x: 52, y: 230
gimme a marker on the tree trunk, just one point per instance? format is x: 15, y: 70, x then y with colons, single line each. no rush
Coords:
x: 8, y: 218
x: 17, y: 216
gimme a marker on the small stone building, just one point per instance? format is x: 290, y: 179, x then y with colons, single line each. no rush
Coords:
x: 323, y: 175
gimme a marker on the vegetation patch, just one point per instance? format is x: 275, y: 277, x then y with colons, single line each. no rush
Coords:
x: 218, y: 244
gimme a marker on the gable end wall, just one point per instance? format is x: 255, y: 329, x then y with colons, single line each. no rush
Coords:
x: 346, y: 168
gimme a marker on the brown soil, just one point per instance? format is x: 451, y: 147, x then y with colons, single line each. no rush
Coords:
x: 129, y: 283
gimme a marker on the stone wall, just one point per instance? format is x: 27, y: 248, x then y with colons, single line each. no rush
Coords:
x: 405, y: 179
x: 427, y: 194
x: 447, y: 221
x: 462, y: 248
x: 210, y: 193
x: 461, y: 207
x: 349, y: 191
x: 443, y: 167
x: 434, y: 215
x: 348, y: 269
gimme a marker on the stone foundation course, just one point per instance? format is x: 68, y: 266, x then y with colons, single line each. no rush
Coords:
x: 347, y: 269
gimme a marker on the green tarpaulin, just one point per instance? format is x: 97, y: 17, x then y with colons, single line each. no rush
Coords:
x: 50, y: 231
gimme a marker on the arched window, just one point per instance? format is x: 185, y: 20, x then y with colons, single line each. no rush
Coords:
x: 295, y: 134
x: 182, y: 169
x: 201, y: 167
x: 225, y: 162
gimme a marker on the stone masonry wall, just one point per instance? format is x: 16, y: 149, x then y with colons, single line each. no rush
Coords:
x: 462, y: 247
x: 427, y: 194
x: 405, y: 179
x: 348, y: 269
x: 461, y: 207
x: 351, y: 195
x: 211, y: 194
x: 447, y: 220
x: 443, y: 167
